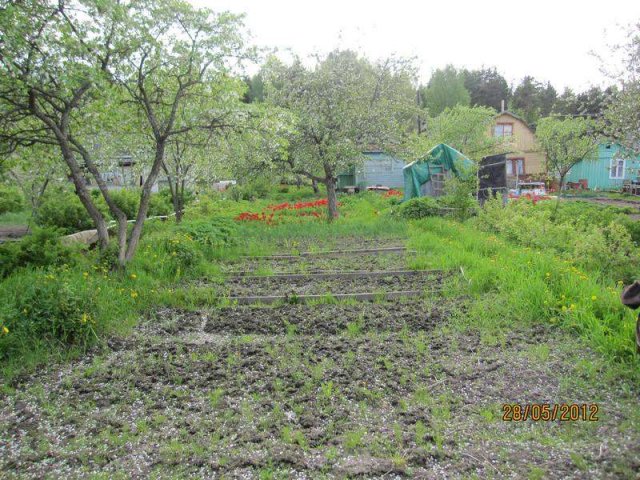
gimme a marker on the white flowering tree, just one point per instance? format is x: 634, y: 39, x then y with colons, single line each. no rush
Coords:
x: 341, y: 106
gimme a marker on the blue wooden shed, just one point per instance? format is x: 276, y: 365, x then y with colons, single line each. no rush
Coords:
x: 608, y: 169
x: 378, y: 168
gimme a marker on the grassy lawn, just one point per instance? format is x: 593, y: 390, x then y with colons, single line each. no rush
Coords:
x: 185, y: 383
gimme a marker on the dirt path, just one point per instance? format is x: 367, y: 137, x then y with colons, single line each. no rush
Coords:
x: 373, y: 390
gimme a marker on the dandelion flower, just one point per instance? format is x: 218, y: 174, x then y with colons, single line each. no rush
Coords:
x: 85, y: 274
x: 572, y: 306
x: 85, y: 317
x: 5, y: 330
x: 134, y: 294
x: 593, y: 297
x: 133, y: 276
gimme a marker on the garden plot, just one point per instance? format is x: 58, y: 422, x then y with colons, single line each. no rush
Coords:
x: 386, y: 260
x: 414, y: 400
x: 333, y: 390
x: 338, y: 283
x: 337, y: 243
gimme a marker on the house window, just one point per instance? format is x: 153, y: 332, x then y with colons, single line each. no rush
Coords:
x: 616, y: 169
x: 503, y: 130
x: 515, y: 166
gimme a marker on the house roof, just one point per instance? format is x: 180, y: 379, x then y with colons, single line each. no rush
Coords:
x: 511, y: 114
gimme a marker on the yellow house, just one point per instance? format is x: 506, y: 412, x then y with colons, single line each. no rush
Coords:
x: 524, y: 160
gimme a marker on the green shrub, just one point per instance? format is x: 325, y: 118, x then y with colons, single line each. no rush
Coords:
x: 41, y: 248
x: 256, y: 189
x: 161, y: 205
x: 460, y: 198
x: 183, y: 253
x: 44, y: 307
x: 63, y: 209
x: 128, y: 200
x: 594, y: 236
x: 420, y: 208
x: 10, y: 200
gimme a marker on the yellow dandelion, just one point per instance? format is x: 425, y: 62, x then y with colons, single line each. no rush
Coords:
x: 5, y: 330
x: 572, y: 306
x: 133, y: 276
x: 134, y: 294
x: 593, y: 297
x: 85, y: 274
x: 85, y: 317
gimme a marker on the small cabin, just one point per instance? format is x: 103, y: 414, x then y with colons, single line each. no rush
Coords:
x: 378, y: 168
x: 609, y: 168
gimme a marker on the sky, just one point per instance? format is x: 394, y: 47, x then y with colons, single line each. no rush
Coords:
x: 552, y: 40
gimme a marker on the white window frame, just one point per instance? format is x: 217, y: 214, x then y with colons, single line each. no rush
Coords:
x: 615, y: 167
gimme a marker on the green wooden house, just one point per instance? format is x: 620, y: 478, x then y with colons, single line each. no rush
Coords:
x: 609, y: 169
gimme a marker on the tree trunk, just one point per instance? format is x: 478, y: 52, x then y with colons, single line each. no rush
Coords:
x: 555, y: 210
x: 179, y: 202
x: 83, y: 194
x: 314, y: 185
x: 145, y: 196
x: 332, y: 201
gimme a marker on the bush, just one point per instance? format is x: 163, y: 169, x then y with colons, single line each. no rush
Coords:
x: 460, y: 197
x: 63, y: 209
x: 128, y: 200
x: 41, y: 248
x: 595, y: 237
x: 10, y: 200
x: 183, y: 253
x: 44, y: 307
x: 420, y: 208
x: 253, y: 190
x: 161, y: 205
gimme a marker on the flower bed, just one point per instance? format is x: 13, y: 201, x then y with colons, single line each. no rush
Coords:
x: 273, y: 213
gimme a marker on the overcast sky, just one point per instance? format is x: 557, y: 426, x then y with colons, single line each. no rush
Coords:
x: 549, y: 39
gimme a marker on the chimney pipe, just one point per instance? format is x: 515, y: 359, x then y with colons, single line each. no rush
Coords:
x: 502, y: 106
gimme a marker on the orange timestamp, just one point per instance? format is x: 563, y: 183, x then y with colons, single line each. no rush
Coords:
x: 547, y: 412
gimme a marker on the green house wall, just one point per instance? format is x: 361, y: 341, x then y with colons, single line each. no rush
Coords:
x: 378, y: 168
x: 597, y: 170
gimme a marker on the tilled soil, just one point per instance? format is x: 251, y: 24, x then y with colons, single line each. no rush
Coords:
x: 351, y: 242
x: 309, y: 285
x: 351, y: 262
x: 368, y: 390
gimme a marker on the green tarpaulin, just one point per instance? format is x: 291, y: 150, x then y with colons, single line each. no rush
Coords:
x: 439, y: 159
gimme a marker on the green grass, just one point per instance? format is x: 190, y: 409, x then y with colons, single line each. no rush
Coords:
x: 513, y: 285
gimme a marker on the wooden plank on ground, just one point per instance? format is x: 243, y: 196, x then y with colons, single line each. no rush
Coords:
x: 333, y: 274
x: 368, y: 296
x: 330, y: 253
